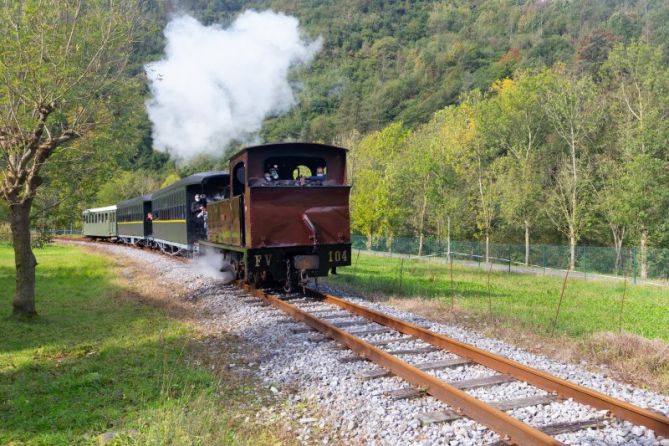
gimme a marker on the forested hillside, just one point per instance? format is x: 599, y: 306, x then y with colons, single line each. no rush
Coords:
x: 538, y: 120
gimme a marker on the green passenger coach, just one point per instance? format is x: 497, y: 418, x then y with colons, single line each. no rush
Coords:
x: 135, y: 220
x: 100, y: 222
x: 174, y: 225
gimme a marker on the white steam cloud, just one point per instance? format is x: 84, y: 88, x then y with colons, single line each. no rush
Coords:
x: 208, y: 264
x: 216, y: 85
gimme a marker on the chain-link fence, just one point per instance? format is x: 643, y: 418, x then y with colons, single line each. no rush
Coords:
x: 651, y: 266
x: 544, y: 295
x: 40, y: 237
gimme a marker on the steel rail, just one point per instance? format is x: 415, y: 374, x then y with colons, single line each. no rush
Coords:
x: 509, y: 428
x: 621, y: 409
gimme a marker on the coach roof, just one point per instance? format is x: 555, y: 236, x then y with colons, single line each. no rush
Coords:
x: 197, y: 178
x: 135, y: 200
x: 103, y: 209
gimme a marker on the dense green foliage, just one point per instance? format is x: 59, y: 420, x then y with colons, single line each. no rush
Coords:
x: 68, y: 104
x: 516, y: 299
x: 96, y: 361
x: 399, y: 81
x: 545, y: 156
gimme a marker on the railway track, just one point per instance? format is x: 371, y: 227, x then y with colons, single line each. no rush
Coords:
x: 324, y: 313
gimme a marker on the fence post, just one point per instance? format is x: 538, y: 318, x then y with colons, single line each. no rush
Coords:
x: 557, y: 311
x: 509, y: 250
x: 634, y: 264
x: 622, y: 306
x: 489, y: 293
x: 355, y: 264
x: 585, y: 263
x: 450, y: 272
x: 401, y: 273
x: 448, y: 240
x: 478, y: 253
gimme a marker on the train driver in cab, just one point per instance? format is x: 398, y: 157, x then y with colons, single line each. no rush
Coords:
x: 320, y: 174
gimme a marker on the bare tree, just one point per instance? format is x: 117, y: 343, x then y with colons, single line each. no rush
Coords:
x: 58, y: 62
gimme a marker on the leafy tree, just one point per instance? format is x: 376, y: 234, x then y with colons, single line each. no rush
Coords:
x: 513, y: 122
x: 475, y: 158
x: 416, y: 178
x: 126, y: 185
x: 550, y: 50
x: 369, y: 162
x: 58, y: 61
x: 171, y: 178
x: 594, y: 49
x: 639, y: 85
x: 572, y: 110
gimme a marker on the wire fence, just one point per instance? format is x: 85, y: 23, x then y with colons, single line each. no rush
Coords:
x: 39, y: 237
x: 650, y: 267
x: 544, y: 296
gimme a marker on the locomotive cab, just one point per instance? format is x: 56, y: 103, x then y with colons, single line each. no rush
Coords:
x: 287, y: 219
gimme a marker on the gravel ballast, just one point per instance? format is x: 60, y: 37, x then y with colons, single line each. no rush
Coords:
x: 352, y: 410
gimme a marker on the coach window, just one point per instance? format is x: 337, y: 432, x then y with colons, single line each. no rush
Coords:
x: 238, y: 179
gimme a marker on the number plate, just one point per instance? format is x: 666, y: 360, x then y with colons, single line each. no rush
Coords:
x: 338, y: 256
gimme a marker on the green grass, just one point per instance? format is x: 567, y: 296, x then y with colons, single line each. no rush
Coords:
x: 588, y: 306
x: 93, y: 362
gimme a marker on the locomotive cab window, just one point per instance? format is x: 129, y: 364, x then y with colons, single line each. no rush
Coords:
x: 295, y: 170
x: 238, y: 179
x: 301, y: 171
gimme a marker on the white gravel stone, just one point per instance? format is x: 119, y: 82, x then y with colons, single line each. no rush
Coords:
x: 356, y: 411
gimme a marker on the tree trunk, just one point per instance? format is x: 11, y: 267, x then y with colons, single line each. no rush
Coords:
x: 369, y: 241
x: 527, y: 243
x: 421, y: 225
x: 572, y: 252
x: 618, y: 237
x: 487, y: 247
x: 643, y: 255
x: 24, y: 297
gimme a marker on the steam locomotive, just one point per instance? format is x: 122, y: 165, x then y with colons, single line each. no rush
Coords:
x: 279, y: 215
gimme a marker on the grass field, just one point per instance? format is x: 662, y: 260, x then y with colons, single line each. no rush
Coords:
x: 531, y: 301
x: 96, y: 361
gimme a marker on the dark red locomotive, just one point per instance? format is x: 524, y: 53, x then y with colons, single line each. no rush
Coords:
x: 285, y: 217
